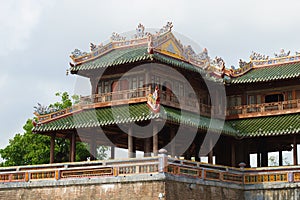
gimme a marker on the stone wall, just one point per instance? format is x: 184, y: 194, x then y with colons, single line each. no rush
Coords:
x: 146, y: 187
x: 188, y: 191
x: 117, y: 191
x: 276, y: 191
x: 136, y: 187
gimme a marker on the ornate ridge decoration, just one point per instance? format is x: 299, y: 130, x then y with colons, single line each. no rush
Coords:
x: 117, y: 37
x: 117, y: 40
x: 258, y: 60
x: 153, y: 41
x: 282, y: 54
x: 258, y: 56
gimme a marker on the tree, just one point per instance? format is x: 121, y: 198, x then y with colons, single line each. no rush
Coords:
x: 29, y: 148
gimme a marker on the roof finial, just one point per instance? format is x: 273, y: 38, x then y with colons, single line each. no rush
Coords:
x: 150, y: 44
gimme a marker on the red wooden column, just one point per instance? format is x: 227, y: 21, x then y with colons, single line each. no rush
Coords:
x: 258, y: 159
x: 94, y: 84
x: 264, y: 158
x: 155, y: 139
x: 93, y: 150
x: 73, y: 148
x: 147, y: 147
x: 280, y: 158
x: 233, y: 163
x: 131, y: 144
x: 173, y: 142
x: 295, y: 154
x: 112, y: 152
x: 52, y: 146
x: 211, y: 153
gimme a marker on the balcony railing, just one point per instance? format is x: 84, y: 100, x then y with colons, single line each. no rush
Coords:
x: 115, y: 96
x: 264, y: 109
x: 186, y: 103
x: 100, y: 100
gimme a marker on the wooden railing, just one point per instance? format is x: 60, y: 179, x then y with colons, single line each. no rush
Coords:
x: 185, y: 103
x: 189, y: 104
x: 115, y: 96
x: 254, y: 110
x: 151, y: 165
x: 99, y: 100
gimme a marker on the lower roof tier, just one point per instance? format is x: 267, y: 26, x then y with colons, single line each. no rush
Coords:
x: 267, y: 126
x: 133, y: 113
x: 130, y: 114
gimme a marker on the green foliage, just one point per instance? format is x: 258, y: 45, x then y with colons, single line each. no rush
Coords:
x: 66, y: 101
x: 29, y: 148
x: 102, y: 153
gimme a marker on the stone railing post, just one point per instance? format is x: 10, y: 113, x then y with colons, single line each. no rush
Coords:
x: 163, y: 160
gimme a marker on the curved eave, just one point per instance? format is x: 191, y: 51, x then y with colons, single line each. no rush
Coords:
x: 138, y: 113
x: 270, y: 73
x: 267, y: 126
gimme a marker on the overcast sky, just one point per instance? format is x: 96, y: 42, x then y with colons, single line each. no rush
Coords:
x: 37, y: 37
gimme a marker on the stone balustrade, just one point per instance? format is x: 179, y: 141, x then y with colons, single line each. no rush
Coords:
x: 151, y: 165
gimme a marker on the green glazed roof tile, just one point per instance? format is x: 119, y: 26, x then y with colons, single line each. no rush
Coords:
x: 267, y: 126
x: 133, y: 113
x: 270, y: 73
x: 131, y: 55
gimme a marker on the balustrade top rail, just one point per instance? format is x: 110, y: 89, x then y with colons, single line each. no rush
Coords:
x: 87, y: 102
x: 264, y: 109
x: 185, y: 103
x: 150, y: 165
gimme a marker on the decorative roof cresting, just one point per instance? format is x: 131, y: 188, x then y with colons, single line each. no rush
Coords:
x: 154, y: 42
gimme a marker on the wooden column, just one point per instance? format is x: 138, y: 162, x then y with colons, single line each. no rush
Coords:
x: 52, y: 147
x: 94, y: 85
x: 73, y: 148
x: 130, y: 143
x: 233, y: 162
x: 280, y: 158
x: 112, y: 152
x: 93, y: 150
x: 258, y: 160
x: 155, y: 139
x: 147, y: 147
x: 173, y: 142
x: 211, y: 153
x: 247, y: 155
x: 264, y: 159
x: 148, y: 80
x: 295, y: 153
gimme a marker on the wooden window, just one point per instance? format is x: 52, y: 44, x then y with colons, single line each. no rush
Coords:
x: 297, y: 94
x: 273, y: 98
x: 133, y: 83
x: 289, y: 95
x: 100, y: 88
x: 258, y: 99
x: 251, y: 99
x: 106, y: 87
x: 234, y: 101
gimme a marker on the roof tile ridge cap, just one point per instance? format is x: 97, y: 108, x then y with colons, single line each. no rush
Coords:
x: 95, y: 58
x: 276, y: 64
x: 62, y: 116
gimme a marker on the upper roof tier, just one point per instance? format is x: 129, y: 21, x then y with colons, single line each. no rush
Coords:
x: 161, y: 46
x: 164, y: 47
x: 261, y: 68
